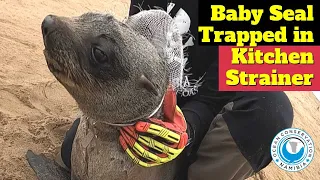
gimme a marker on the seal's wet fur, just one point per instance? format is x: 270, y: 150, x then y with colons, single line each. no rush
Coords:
x: 115, y: 75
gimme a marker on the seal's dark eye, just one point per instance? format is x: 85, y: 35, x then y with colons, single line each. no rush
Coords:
x: 98, y: 55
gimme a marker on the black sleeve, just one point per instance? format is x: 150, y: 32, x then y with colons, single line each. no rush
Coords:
x: 146, y: 4
x: 201, y: 109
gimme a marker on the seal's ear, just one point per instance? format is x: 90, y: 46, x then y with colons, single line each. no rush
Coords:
x: 147, y: 84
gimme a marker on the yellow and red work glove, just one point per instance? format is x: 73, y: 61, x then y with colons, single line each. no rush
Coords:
x: 153, y: 142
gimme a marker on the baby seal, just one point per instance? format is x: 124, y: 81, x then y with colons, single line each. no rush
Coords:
x: 116, y: 75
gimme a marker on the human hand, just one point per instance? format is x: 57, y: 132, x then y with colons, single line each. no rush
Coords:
x: 153, y: 142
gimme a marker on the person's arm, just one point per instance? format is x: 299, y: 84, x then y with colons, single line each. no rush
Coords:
x: 136, y: 5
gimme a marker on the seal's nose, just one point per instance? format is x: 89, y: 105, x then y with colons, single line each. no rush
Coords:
x: 48, y: 24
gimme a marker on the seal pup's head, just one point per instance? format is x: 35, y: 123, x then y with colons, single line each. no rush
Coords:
x: 114, y: 73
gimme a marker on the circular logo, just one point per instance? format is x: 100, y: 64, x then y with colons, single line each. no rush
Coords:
x: 292, y: 149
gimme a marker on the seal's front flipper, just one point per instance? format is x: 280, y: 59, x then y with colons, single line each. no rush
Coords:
x: 45, y: 168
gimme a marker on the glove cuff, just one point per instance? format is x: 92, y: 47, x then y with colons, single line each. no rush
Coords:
x: 191, y: 131
x: 191, y: 134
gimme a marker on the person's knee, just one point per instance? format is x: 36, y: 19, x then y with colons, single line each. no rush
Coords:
x: 265, y: 107
x: 288, y: 110
x: 282, y: 107
x: 254, y: 119
x: 278, y: 105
